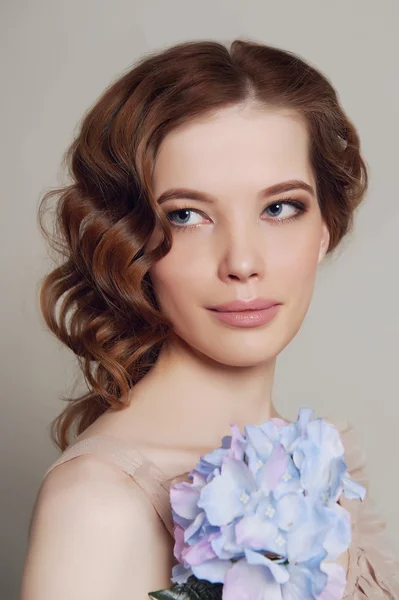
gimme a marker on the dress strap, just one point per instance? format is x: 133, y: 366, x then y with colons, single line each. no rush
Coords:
x: 146, y: 474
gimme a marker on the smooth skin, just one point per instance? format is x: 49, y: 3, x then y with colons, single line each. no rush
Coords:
x: 94, y: 533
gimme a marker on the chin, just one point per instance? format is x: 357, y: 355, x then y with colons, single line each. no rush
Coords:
x: 245, y: 352
x: 246, y: 356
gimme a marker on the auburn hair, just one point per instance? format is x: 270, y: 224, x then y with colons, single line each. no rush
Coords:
x: 108, y: 314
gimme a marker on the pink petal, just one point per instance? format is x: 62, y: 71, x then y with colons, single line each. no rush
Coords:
x: 279, y: 422
x: 273, y: 469
x: 179, y: 542
x: 336, y: 583
x: 184, y: 497
x: 199, y: 552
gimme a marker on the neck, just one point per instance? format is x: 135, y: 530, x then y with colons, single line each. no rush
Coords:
x: 188, y: 401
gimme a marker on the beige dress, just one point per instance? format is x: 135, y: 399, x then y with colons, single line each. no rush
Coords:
x: 373, y: 571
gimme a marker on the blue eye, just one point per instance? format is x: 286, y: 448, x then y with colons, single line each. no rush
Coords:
x: 182, y: 214
x: 280, y: 206
x: 180, y: 218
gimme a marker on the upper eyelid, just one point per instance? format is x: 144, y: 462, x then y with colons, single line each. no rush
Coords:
x: 285, y: 187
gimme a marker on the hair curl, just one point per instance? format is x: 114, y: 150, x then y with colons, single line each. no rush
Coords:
x: 104, y: 218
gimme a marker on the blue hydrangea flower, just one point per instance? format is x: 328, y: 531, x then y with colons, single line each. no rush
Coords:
x: 261, y: 514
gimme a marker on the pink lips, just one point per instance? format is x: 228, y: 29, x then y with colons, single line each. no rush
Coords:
x: 252, y: 313
x: 239, y: 305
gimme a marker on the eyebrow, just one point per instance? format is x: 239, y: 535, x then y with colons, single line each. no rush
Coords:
x: 273, y: 190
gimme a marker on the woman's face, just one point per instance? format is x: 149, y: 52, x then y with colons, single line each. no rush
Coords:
x: 238, y: 243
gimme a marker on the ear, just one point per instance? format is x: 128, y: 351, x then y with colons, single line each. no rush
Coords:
x: 324, y: 242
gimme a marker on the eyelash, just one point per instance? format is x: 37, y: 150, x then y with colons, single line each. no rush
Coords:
x: 290, y: 201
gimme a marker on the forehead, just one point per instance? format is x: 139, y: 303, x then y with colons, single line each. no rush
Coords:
x: 234, y: 146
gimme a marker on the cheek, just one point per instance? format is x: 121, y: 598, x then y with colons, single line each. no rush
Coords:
x: 177, y: 279
x: 295, y: 266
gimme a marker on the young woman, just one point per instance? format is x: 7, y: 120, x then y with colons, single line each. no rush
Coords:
x: 208, y: 184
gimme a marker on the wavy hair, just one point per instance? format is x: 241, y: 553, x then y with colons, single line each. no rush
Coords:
x: 103, y: 218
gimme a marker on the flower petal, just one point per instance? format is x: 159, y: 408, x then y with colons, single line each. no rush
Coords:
x: 213, y: 570
x: 271, y: 429
x: 179, y: 542
x: 250, y: 582
x: 304, y: 418
x: 317, y: 577
x: 184, y: 497
x: 290, y: 437
x: 224, y: 498
x: 278, y: 571
x: 324, y: 434
x: 194, y: 528
x: 257, y: 533
x: 291, y: 511
x: 258, y: 439
x: 299, y: 585
x: 352, y: 489
x: 336, y: 583
x: 308, y: 538
x: 184, y: 523
x: 198, y: 553
x: 338, y: 539
x: 290, y: 482
x: 180, y: 573
x: 238, y: 443
x: 337, y: 472
x: 198, y: 479
x: 225, y: 544
x: 279, y: 422
x: 269, y: 475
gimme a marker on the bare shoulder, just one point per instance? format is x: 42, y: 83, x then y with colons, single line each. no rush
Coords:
x: 94, y: 534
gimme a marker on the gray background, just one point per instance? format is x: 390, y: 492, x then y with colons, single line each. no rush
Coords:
x: 57, y: 57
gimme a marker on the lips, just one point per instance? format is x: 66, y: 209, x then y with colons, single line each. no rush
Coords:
x: 242, y: 305
x: 250, y: 317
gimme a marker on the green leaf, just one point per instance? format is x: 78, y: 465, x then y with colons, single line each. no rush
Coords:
x: 193, y: 589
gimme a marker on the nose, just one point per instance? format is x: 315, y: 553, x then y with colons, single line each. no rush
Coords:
x: 241, y: 253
